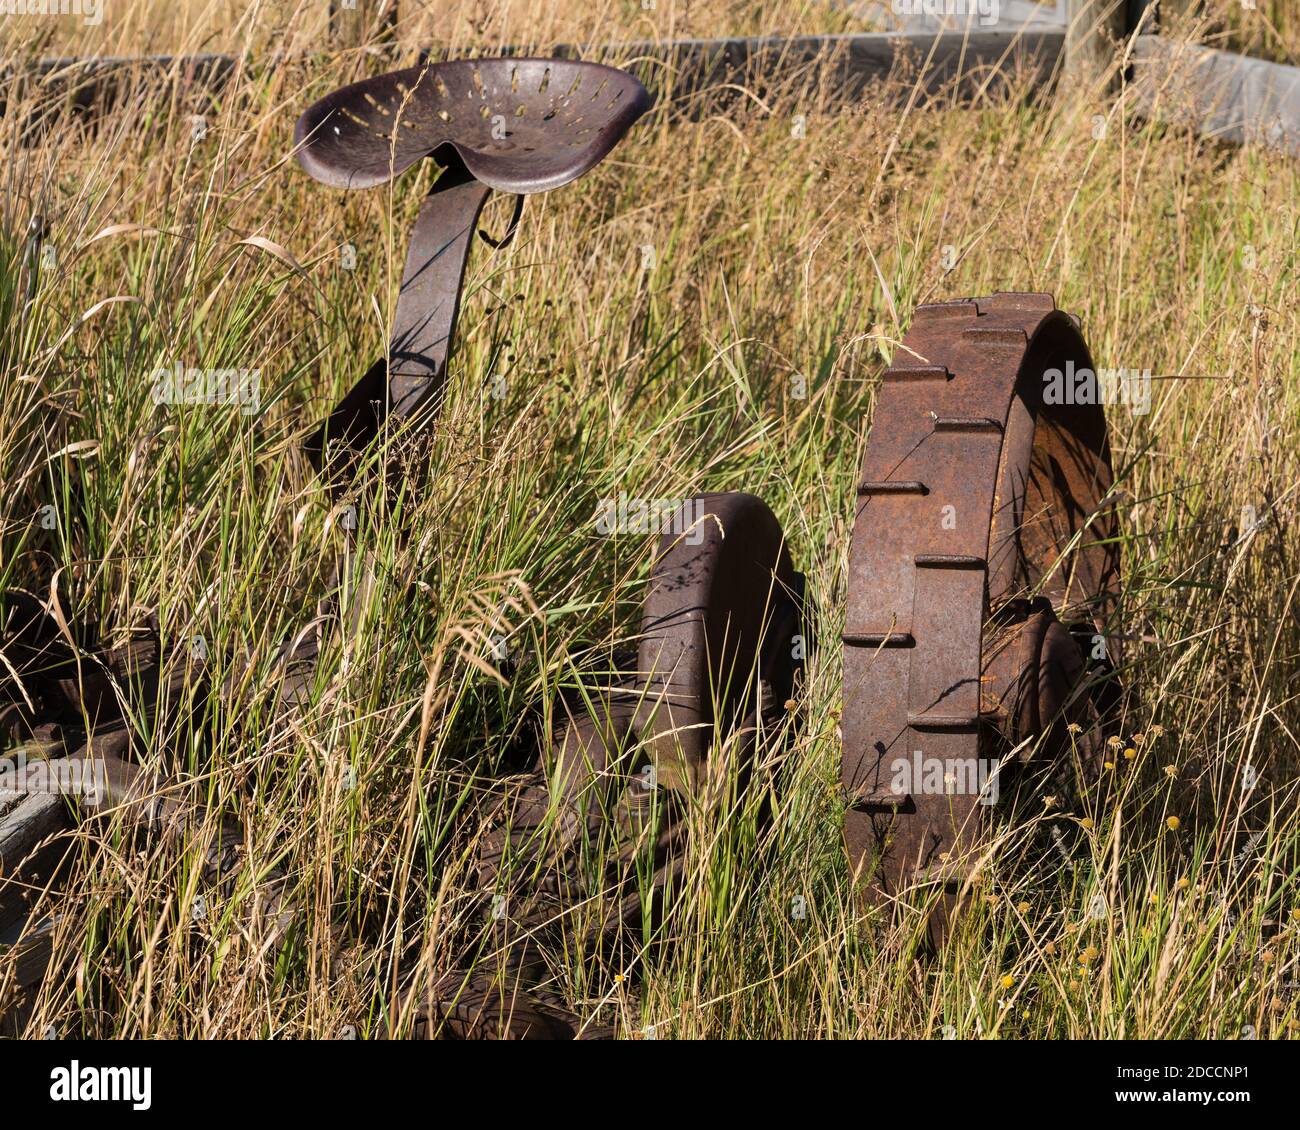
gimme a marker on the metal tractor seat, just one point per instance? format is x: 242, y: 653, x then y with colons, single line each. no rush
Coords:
x: 515, y: 125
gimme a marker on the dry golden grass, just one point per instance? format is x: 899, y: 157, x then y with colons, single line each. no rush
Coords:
x: 775, y: 256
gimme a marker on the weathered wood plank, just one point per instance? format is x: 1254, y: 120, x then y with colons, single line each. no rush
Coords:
x: 842, y: 65
x: 1221, y: 95
x: 84, y: 86
x: 28, y: 946
x: 25, y: 820
x: 32, y: 940
x: 1094, y: 32
x: 838, y: 67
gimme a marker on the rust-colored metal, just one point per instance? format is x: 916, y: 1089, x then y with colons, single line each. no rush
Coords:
x: 982, y: 537
x: 561, y: 118
x: 515, y: 125
x: 716, y: 588
x: 717, y: 660
x: 65, y: 701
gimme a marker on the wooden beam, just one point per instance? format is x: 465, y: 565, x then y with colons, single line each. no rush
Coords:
x: 1221, y: 95
x: 836, y: 67
x: 359, y: 23
x: 1093, y: 31
x: 26, y: 821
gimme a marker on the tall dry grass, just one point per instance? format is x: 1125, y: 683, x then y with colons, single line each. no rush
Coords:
x: 1175, y: 911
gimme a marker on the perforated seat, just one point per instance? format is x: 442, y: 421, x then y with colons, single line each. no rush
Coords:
x: 514, y: 125
x: 517, y: 125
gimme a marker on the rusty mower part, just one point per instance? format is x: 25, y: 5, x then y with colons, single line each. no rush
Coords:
x: 716, y: 660
x: 52, y: 695
x: 514, y: 125
x: 65, y: 706
x: 716, y: 585
x: 983, y: 534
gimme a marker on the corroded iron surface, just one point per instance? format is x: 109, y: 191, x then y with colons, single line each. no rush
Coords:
x: 982, y: 533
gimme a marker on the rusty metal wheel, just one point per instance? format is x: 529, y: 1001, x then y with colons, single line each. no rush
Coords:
x: 717, y: 659
x: 983, y: 539
x: 716, y: 634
